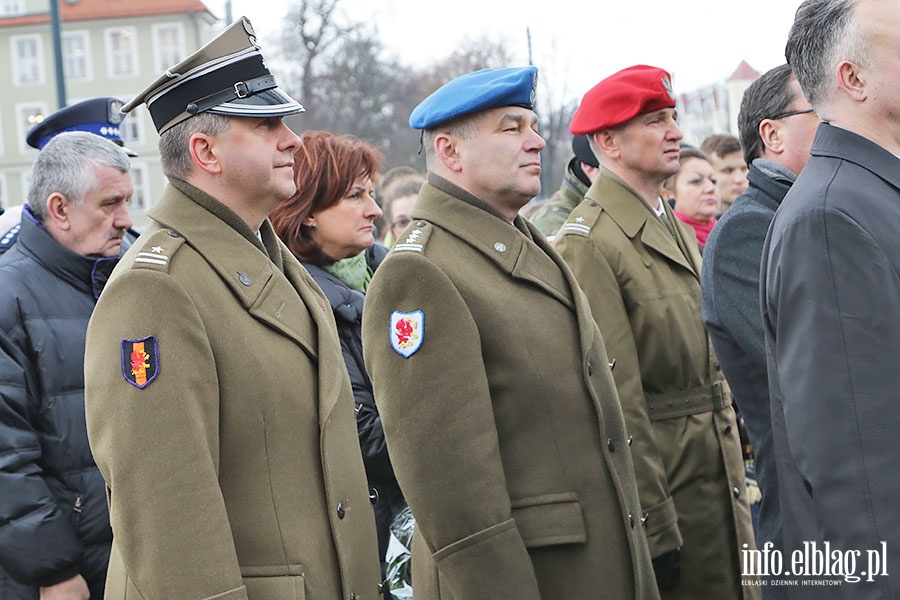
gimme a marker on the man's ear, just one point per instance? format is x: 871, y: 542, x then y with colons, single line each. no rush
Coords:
x: 203, y: 152
x: 852, y: 79
x: 770, y: 134
x: 58, y: 207
x: 607, y: 142
x: 446, y: 149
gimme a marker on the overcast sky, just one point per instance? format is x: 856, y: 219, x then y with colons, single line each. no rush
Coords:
x: 575, y: 43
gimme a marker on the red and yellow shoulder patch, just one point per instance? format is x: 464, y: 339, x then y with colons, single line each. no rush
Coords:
x: 140, y: 361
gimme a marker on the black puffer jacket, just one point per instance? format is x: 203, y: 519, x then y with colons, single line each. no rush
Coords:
x: 347, y: 305
x: 54, y: 522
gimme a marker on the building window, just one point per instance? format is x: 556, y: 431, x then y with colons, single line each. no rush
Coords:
x: 131, y: 129
x: 140, y: 200
x: 29, y: 115
x: 12, y: 8
x: 168, y: 45
x: 28, y: 64
x: 26, y: 184
x: 76, y: 51
x: 121, y: 50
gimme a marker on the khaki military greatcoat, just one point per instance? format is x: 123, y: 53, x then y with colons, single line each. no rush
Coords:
x: 641, y: 276
x: 500, y: 413
x: 220, y: 413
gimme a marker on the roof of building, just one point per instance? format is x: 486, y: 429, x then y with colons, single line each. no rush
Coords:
x: 91, y: 10
x: 744, y: 72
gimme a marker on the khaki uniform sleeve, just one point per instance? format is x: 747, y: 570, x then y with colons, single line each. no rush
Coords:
x: 438, y: 419
x: 157, y: 447
x: 598, y: 280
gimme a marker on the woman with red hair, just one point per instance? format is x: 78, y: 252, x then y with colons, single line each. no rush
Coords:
x: 328, y: 224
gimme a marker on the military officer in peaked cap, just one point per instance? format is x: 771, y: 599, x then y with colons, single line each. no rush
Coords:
x: 640, y: 269
x: 498, y: 405
x: 100, y: 116
x: 218, y: 407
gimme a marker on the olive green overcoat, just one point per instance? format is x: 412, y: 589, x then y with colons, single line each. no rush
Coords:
x: 503, y: 424
x: 641, y: 275
x: 235, y: 471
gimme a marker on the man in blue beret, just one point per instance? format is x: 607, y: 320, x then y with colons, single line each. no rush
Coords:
x: 496, y: 396
x: 640, y: 269
x: 101, y: 116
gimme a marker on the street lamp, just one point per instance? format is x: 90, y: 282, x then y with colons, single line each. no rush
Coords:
x: 57, y: 54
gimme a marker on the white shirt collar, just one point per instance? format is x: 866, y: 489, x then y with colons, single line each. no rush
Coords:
x: 661, y: 212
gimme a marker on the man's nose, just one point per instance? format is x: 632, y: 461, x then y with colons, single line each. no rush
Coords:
x: 123, y: 219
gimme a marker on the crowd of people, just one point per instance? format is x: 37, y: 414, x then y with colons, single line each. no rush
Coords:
x: 306, y: 351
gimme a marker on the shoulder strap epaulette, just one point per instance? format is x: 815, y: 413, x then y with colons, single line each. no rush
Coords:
x: 582, y: 219
x: 157, y: 250
x: 415, y: 237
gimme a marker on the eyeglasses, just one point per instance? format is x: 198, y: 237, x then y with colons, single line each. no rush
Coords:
x: 401, y: 222
x: 785, y: 115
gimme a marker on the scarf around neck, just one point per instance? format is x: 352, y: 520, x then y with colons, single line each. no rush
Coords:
x: 701, y: 229
x: 353, y: 271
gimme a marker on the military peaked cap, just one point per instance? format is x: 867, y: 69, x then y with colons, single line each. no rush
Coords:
x: 101, y: 116
x: 228, y: 76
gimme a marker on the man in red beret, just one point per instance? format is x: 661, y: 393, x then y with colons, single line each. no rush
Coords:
x: 640, y: 269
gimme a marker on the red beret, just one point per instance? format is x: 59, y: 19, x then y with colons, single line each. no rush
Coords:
x: 622, y: 96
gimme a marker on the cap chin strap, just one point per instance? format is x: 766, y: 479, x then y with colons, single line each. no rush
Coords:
x: 241, y: 89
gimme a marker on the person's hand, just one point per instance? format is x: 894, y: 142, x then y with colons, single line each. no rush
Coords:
x: 754, y: 495
x: 667, y: 568
x: 71, y: 589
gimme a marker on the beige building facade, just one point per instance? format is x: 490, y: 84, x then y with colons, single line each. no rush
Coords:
x: 108, y: 49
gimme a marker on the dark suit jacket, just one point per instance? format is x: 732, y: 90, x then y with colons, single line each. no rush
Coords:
x: 831, y: 292
x: 732, y: 315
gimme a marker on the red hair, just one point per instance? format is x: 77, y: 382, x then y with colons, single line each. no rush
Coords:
x: 325, y: 167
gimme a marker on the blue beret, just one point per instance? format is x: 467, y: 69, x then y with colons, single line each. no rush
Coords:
x: 473, y: 92
x: 101, y: 116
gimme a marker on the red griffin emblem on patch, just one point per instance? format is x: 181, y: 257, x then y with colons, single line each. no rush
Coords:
x: 404, y: 332
x: 407, y: 331
x: 140, y: 361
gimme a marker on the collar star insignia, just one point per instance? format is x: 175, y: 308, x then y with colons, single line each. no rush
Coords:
x: 579, y: 220
x: 157, y: 250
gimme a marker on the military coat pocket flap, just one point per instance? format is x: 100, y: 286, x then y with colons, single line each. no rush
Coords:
x: 281, y: 581
x: 549, y: 520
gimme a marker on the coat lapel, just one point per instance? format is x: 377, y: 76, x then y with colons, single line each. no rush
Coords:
x: 265, y: 292
x: 500, y: 241
x: 334, y: 384
x: 582, y: 307
x: 635, y: 217
x: 536, y: 265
